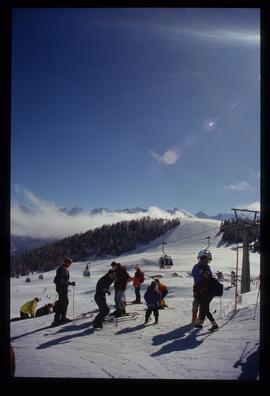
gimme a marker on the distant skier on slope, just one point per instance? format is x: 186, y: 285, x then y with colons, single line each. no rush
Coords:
x: 152, y: 297
x: 102, y: 288
x: 202, y: 291
x: 204, y: 259
x: 61, y: 281
x: 138, y: 279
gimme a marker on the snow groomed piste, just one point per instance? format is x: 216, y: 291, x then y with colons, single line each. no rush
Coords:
x: 126, y: 348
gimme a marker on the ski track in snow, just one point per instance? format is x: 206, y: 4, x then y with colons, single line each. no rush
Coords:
x: 172, y: 349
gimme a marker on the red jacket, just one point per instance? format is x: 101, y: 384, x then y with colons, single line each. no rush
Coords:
x: 138, y: 278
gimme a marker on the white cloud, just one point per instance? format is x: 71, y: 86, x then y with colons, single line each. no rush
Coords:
x: 170, y: 157
x: 45, y: 220
x: 252, y: 206
x: 240, y: 186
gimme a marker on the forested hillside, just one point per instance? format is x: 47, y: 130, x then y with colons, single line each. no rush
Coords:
x: 106, y: 241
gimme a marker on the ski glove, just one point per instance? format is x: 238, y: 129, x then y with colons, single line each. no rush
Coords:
x: 72, y: 283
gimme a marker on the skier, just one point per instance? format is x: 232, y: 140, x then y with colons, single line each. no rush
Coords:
x: 29, y: 308
x: 138, y: 279
x: 120, y: 285
x: 202, y: 292
x: 163, y: 291
x: 102, y: 288
x: 196, y: 276
x: 61, y: 281
x: 152, y: 297
x: 45, y: 310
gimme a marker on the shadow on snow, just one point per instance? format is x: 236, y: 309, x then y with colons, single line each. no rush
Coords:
x: 65, y: 339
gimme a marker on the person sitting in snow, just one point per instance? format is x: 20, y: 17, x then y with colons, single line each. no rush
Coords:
x: 138, y: 279
x: 102, y: 288
x: 163, y: 291
x: 204, y: 259
x: 45, y: 310
x: 28, y: 309
x: 202, y: 292
x: 152, y: 297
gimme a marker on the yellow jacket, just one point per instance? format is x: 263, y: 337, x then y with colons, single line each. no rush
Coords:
x: 29, y: 307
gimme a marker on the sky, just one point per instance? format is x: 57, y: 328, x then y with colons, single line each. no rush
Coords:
x: 136, y: 107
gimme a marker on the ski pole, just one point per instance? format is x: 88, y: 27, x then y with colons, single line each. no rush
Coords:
x: 73, y: 303
x: 257, y: 301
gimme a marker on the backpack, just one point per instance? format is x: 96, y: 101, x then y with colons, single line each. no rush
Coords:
x: 215, y: 288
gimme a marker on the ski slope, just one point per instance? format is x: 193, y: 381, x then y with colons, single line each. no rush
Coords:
x: 172, y: 349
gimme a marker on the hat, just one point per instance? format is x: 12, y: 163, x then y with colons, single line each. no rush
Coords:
x: 68, y: 260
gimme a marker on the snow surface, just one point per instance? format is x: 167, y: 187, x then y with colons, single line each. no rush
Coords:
x: 172, y: 349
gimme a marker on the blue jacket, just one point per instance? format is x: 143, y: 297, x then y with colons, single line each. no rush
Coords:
x: 196, y: 272
x: 152, y: 297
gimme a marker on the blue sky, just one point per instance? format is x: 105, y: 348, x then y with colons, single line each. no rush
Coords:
x: 136, y: 107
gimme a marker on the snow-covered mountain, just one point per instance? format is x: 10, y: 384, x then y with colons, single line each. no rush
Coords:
x: 84, y: 220
x: 172, y: 349
x: 219, y: 216
x: 75, y: 211
x: 80, y: 220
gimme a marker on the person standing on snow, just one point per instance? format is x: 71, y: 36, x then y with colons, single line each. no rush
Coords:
x: 202, y: 292
x: 120, y: 285
x: 61, y: 281
x: 29, y: 308
x: 102, y: 288
x: 152, y: 297
x: 138, y: 279
x: 196, y: 276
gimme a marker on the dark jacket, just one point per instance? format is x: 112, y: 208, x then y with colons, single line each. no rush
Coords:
x: 103, y: 285
x: 196, y: 272
x: 62, y: 277
x: 201, y: 289
x: 122, y: 278
x: 152, y: 297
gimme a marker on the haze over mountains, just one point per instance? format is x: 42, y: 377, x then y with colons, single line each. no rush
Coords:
x: 97, y: 217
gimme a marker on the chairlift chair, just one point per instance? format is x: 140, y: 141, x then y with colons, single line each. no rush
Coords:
x: 165, y: 261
